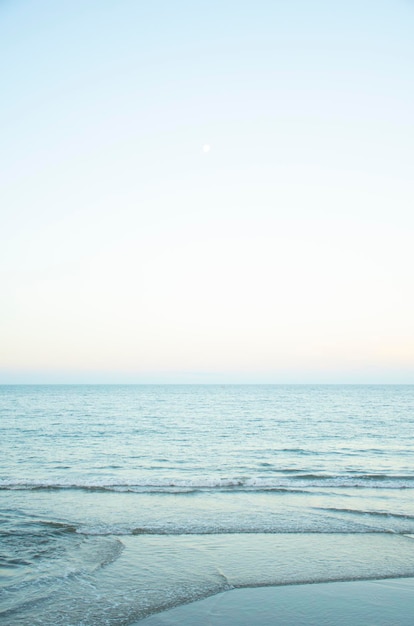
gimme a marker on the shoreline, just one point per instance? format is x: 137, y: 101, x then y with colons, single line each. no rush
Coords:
x: 383, y: 602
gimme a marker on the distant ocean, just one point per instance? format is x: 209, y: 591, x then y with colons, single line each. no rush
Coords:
x: 118, y: 502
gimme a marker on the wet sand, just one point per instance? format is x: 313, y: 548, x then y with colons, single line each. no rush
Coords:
x: 387, y: 602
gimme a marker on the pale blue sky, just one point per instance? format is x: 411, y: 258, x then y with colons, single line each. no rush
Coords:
x: 129, y: 254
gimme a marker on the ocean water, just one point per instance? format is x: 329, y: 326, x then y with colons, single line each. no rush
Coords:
x: 118, y: 502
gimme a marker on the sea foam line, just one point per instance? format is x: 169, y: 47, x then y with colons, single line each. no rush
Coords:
x: 290, y: 483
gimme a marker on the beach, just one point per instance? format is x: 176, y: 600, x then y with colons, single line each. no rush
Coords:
x: 214, y: 504
x: 363, y: 603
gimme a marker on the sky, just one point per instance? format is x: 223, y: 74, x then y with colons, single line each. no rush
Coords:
x: 206, y: 191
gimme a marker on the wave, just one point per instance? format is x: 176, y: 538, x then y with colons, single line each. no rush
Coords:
x: 181, y: 531
x: 380, y: 514
x: 292, y: 482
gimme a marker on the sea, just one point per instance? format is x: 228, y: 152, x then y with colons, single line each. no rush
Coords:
x: 121, y: 501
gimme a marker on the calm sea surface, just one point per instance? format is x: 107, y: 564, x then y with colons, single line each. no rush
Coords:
x: 120, y: 501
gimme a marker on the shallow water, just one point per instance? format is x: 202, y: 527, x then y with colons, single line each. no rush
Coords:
x: 120, y: 501
x: 380, y: 603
